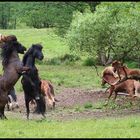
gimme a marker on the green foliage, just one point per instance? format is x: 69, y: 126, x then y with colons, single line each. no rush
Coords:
x: 54, y: 61
x: 88, y: 105
x: 99, y: 105
x: 66, y: 59
x: 90, y: 61
x: 78, y: 109
x: 132, y: 64
x: 111, y: 32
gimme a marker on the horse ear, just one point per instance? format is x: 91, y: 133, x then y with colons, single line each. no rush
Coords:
x: 33, y: 45
x: 30, y: 49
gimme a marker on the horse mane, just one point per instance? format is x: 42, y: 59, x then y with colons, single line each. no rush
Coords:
x: 7, y: 49
x: 29, y: 51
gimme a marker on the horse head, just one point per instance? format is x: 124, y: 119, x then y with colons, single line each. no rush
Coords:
x: 10, y: 46
x: 117, y: 64
x: 36, y: 51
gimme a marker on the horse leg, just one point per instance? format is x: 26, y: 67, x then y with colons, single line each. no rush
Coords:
x: 41, y: 106
x: 14, y: 96
x: 115, y: 96
x: 110, y: 92
x: 27, y: 107
x: 9, y: 104
x: 131, y: 95
x: 37, y: 110
x: 53, y: 105
x: 2, y: 116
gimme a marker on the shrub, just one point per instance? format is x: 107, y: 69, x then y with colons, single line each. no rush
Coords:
x: 88, y: 105
x: 66, y: 59
x: 70, y: 58
x: 112, y: 31
x: 90, y: 61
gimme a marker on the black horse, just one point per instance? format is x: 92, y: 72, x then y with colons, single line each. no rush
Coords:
x: 12, y: 67
x: 31, y: 82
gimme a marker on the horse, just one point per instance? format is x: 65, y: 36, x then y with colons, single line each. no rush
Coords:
x: 31, y: 82
x: 11, y: 97
x: 109, y: 75
x: 12, y: 69
x: 47, y: 90
x: 129, y: 86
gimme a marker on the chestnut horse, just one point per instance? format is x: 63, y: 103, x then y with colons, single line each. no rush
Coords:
x: 12, y: 67
x: 129, y: 86
x: 47, y: 90
x: 31, y: 82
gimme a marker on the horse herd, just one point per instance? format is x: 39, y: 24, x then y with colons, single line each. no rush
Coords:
x: 34, y: 88
x: 121, y: 79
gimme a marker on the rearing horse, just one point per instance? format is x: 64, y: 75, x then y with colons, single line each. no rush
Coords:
x: 31, y: 82
x: 12, y: 67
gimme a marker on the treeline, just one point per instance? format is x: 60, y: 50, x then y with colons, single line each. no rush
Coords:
x: 111, y: 32
x: 40, y: 14
x: 104, y: 30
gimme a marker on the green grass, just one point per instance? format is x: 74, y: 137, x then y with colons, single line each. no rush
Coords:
x: 127, y: 127
x: 71, y: 76
x: 68, y: 76
x: 53, y: 45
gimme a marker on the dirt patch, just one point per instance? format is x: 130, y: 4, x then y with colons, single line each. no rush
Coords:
x: 70, y: 98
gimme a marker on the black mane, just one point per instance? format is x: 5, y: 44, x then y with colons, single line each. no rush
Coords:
x: 29, y: 51
x: 7, y: 49
x: 26, y: 56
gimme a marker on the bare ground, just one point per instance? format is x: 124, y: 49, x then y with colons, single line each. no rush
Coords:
x: 72, y: 105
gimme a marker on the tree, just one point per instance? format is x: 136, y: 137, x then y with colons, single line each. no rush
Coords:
x: 111, y: 32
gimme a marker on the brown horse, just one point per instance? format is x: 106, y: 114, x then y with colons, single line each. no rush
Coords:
x: 47, y: 90
x: 12, y: 67
x: 123, y: 70
x: 129, y: 86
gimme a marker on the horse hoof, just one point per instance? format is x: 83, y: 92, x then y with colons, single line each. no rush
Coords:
x: 17, y: 106
x: 44, y: 116
x: 3, y: 118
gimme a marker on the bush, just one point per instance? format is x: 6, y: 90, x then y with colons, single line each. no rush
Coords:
x: 89, y: 61
x: 54, y: 61
x: 66, y: 59
x: 112, y: 31
x: 88, y: 105
x: 131, y: 64
x: 70, y: 58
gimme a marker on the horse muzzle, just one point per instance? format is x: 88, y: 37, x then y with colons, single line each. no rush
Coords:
x: 41, y: 57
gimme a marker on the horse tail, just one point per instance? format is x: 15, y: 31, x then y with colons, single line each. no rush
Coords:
x: 42, y: 105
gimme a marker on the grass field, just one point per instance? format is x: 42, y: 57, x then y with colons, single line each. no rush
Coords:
x: 67, y: 76
x: 53, y: 45
x: 126, y: 127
